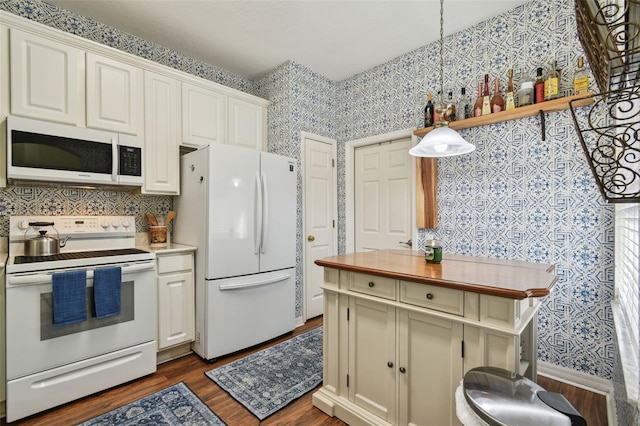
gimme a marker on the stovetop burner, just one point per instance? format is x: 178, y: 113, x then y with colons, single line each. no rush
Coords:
x: 77, y: 255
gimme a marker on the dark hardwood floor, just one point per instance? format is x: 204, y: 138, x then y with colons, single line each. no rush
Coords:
x: 190, y: 370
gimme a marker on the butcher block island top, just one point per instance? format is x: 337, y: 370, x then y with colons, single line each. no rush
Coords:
x: 512, y: 279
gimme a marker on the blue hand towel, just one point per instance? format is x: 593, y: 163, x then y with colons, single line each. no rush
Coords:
x: 107, y: 287
x: 69, y: 297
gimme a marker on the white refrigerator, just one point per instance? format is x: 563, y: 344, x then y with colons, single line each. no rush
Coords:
x: 238, y: 207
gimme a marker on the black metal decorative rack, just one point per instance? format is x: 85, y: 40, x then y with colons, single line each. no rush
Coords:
x: 609, y: 130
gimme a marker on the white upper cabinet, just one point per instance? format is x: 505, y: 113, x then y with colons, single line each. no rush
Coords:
x: 203, y: 116
x: 47, y: 79
x: 161, y: 134
x: 114, y: 95
x: 247, y: 124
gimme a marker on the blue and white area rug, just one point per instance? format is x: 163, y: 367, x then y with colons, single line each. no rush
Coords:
x: 268, y: 380
x: 175, y: 406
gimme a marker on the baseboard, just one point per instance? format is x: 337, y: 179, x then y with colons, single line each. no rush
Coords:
x: 174, y: 352
x: 299, y: 322
x: 582, y: 380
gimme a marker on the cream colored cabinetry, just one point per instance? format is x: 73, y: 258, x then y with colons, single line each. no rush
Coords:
x: 395, y: 351
x: 162, y: 134
x: 203, y: 116
x: 429, y: 367
x: 47, y: 79
x: 372, y: 352
x: 58, y: 82
x: 114, y: 95
x: 176, y: 303
x: 247, y: 124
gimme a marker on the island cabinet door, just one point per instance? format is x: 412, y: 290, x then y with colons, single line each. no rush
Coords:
x: 372, y: 357
x: 429, y: 369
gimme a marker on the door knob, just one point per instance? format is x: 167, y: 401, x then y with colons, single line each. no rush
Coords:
x: 311, y: 238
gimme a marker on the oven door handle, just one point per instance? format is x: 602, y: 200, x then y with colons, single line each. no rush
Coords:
x: 45, y: 278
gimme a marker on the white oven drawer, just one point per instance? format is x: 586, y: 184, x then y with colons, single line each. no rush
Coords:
x: 38, y: 392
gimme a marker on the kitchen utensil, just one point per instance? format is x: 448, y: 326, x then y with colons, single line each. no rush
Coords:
x: 169, y: 217
x: 151, y: 219
x: 43, y: 244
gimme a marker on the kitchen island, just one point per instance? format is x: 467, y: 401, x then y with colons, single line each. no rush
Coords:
x: 400, y: 333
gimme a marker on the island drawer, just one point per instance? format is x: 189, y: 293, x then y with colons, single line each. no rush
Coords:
x: 373, y: 285
x: 433, y: 297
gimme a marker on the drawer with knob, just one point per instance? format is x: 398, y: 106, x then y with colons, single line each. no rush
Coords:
x: 433, y: 297
x: 373, y: 285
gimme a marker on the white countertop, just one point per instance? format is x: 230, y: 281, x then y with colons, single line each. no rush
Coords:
x: 169, y: 249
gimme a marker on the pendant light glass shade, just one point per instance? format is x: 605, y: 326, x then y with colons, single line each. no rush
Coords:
x: 442, y: 141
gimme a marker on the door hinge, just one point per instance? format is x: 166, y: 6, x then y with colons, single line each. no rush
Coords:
x: 347, y: 314
x: 334, y: 223
x: 333, y: 162
x: 462, y: 349
x: 347, y: 380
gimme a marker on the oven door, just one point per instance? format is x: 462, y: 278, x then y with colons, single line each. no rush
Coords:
x: 34, y: 344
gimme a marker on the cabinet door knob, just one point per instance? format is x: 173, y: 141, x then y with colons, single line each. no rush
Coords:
x: 390, y: 364
x: 311, y: 238
x: 429, y: 296
x: 402, y: 370
x: 371, y: 284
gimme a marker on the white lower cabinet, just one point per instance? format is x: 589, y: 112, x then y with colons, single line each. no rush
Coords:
x: 176, y: 303
x: 398, y: 360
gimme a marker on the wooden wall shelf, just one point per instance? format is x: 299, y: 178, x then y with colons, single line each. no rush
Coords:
x: 555, y: 105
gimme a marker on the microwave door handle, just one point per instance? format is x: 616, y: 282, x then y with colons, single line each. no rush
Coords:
x: 116, y: 158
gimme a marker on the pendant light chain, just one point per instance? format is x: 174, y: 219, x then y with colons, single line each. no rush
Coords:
x: 442, y: 52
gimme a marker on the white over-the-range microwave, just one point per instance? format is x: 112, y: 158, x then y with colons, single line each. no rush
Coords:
x: 51, y: 152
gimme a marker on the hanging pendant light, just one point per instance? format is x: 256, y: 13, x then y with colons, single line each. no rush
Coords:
x: 442, y: 141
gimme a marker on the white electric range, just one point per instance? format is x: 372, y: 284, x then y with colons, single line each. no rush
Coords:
x: 49, y: 364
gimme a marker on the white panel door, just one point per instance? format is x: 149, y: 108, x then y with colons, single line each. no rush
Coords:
x: 114, y: 95
x: 320, y: 188
x: 162, y: 135
x: 175, y: 309
x: 383, y: 196
x: 279, y: 200
x: 47, y: 79
x: 203, y: 116
x: 246, y: 124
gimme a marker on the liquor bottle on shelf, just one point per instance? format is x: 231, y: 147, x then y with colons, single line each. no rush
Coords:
x: 510, y: 102
x: 497, y: 103
x: 486, y: 102
x: 428, y: 112
x: 450, y: 113
x: 477, y: 107
x: 552, y: 83
x: 538, y: 87
x: 525, y: 95
x: 437, y: 108
x: 580, y: 78
x: 464, y: 105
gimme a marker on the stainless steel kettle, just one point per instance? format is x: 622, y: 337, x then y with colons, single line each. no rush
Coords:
x: 43, y: 244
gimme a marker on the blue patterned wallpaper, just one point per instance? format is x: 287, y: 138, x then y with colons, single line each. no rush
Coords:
x: 515, y: 197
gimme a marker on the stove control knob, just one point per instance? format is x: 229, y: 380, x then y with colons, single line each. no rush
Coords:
x: 105, y: 224
x: 115, y: 224
x: 125, y: 224
x: 23, y: 224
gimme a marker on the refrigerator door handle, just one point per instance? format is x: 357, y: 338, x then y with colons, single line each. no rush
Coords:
x: 257, y: 233
x: 265, y: 212
x: 250, y: 284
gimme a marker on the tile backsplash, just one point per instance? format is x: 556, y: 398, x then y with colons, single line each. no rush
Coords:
x: 50, y: 201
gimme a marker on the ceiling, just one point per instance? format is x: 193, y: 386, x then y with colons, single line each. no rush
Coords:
x: 335, y: 38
